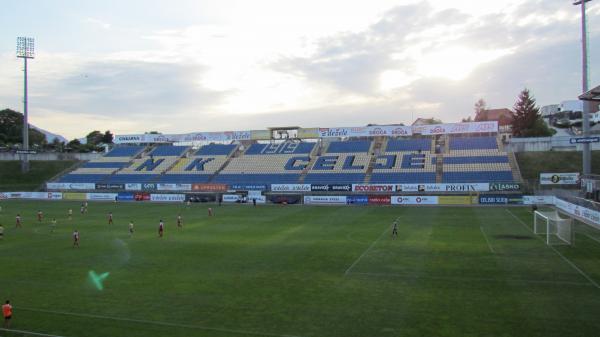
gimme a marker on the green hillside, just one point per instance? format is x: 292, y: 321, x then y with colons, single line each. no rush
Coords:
x: 11, y: 178
x: 533, y: 163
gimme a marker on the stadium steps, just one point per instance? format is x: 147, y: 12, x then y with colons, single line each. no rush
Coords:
x: 500, y: 145
x: 439, y: 168
x: 369, y: 172
x: 383, y: 147
x: 446, y: 144
x: 516, y: 171
x: 307, y: 168
x: 236, y: 153
x: 176, y: 162
x: 432, y: 146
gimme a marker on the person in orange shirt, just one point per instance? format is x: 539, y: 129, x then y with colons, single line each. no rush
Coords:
x: 7, y: 312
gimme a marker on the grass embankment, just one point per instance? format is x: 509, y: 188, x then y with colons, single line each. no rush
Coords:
x: 534, y: 163
x: 11, y: 178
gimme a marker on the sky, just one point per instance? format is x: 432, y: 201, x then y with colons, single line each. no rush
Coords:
x: 181, y: 66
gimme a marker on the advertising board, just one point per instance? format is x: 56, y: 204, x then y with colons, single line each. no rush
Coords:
x: 101, y: 196
x: 379, y: 200
x: 325, y: 200
x: 290, y: 187
x: 209, y: 187
x: 173, y: 187
x: 414, y: 200
x: 538, y: 199
x: 167, y: 197
x: 559, y: 178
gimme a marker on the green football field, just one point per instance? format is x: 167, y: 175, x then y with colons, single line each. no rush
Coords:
x: 295, y: 271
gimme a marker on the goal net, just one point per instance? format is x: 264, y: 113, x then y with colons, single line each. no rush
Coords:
x: 558, y: 231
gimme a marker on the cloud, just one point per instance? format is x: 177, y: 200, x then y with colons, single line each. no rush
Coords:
x: 98, y: 23
x: 128, y: 88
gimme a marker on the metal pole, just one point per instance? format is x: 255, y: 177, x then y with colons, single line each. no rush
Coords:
x: 25, y: 161
x: 587, y: 154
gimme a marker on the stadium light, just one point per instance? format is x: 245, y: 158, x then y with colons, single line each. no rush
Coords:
x: 587, y: 154
x: 25, y: 50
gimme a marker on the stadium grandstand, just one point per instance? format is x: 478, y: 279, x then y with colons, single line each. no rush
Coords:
x: 462, y: 158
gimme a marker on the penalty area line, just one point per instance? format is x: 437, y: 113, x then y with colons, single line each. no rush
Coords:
x: 161, y: 323
x: 367, y: 250
x: 557, y: 252
x: 486, y: 240
x: 33, y: 333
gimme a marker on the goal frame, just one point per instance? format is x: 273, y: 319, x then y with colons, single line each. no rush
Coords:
x: 558, y: 230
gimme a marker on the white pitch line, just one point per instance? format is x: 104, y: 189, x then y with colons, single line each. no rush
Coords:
x: 486, y: 240
x: 591, y: 237
x: 367, y: 250
x: 557, y: 252
x: 30, y: 332
x: 188, y: 326
x: 474, y: 279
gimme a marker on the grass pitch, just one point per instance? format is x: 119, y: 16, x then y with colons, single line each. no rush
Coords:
x: 295, y: 271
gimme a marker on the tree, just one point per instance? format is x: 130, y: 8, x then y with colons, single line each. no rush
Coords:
x: 527, y: 121
x: 480, y: 111
x: 94, y: 137
x: 466, y: 120
x: 11, y: 129
x: 108, y: 137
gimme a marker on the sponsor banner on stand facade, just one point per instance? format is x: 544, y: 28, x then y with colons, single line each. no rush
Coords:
x: 444, y: 129
x: 70, y: 186
x: 110, y: 186
x: 101, y: 196
x: 538, y: 199
x: 133, y: 187
x: 148, y: 187
x: 231, y: 197
x: 461, y: 187
x: 458, y: 200
x: 340, y: 188
x: 365, y: 131
x: 125, y: 196
x: 209, y: 187
x: 173, y: 187
x: 559, y: 178
x: 357, y: 200
x: 223, y: 136
x: 290, y: 187
x: 505, y: 187
x: 248, y: 187
x: 325, y: 199
x: 370, y: 188
x: 319, y: 188
x: 167, y: 197
x: 379, y: 200
x: 410, y: 200
x: 74, y: 196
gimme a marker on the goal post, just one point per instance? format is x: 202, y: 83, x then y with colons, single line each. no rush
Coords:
x: 558, y: 231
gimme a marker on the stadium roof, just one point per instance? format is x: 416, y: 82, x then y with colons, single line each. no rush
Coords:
x: 592, y: 95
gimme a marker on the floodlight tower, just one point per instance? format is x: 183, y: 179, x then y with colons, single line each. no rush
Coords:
x: 587, y: 154
x: 25, y: 51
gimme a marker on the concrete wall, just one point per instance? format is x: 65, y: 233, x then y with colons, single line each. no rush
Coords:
x: 545, y: 144
x: 51, y: 156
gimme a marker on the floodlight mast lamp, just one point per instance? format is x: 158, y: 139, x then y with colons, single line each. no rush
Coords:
x: 587, y: 154
x: 25, y: 50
